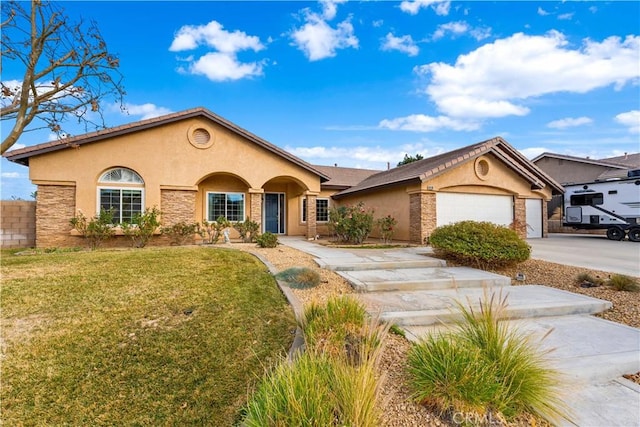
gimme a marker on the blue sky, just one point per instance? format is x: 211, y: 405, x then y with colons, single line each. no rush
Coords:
x: 360, y: 84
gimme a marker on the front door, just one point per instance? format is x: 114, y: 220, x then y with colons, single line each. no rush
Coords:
x: 274, y: 213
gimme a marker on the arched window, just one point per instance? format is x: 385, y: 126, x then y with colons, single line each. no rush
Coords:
x: 122, y: 190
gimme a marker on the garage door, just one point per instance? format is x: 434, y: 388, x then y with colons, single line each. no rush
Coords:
x: 454, y: 207
x: 534, y: 218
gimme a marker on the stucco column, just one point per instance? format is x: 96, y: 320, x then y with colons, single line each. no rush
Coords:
x: 255, y: 205
x: 422, y: 216
x: 520, y: 216
x: 312, y: 230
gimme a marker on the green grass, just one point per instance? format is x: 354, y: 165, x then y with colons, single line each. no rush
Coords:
x: 620, y: 282
x: 157, y: 336
x: 485, y: 366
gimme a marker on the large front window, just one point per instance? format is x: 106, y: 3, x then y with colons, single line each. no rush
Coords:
x: 228, y: 205
x: 122, y: 193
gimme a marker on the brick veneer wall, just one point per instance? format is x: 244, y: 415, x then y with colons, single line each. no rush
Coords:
x: 176, y: 206
x: 422, y: 216
x: 55, y: 206
x: 312, y: 229
x: 520, y: 217
x: 256, y: 207
x: 18, y: 224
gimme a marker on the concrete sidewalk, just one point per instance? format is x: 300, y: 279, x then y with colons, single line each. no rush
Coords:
x: 593, y: 353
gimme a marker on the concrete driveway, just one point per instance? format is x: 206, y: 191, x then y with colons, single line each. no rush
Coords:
x: 589, y: 251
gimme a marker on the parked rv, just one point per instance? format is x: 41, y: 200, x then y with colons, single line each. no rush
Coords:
x: 613, y: 205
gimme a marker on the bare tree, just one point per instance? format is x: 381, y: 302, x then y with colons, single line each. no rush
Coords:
x: 67, y: 70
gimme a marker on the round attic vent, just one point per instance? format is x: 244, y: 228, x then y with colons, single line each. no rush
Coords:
x: 482, y: 168
x: 200, y: 137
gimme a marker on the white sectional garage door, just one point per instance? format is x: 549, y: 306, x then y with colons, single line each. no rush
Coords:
x: 454, y: 207
x: 534, y: 218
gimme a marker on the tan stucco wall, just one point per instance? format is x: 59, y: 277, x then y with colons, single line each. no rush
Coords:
x: 165, y: 159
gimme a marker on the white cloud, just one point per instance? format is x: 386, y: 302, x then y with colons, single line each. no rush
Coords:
x: 569, y: 122
x: 213, y: 35
x: 146, y: 111
x: 330, y: 8
x: 11, y: 175
x: 496, y: 79
x: 403, y: 44
x: 222, y: 64
x: 412, y: 7
x: 533, y: 152
x: 565, y: 17
x: 542, y: 12
x: 220, y: 67
x: 631, y: 119
x: 424, y: 123
x: 454, y: 28
x: 375, y: 157
x: 318, y: 40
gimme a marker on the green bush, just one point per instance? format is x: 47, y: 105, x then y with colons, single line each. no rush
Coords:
x: 300, y: 277
x: 212, y: 231
x: 479, y: 244
x: 484, y: 365
x: 180, y: 232
x: 141, y: 229
x: 248, y: 230
x: 386, y: 227
x: 95, y: 230
x: 267, y: 240
x: 351, y: 224
x: 620, y: 282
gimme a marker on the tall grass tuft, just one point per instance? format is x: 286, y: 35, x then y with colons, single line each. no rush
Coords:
x: 620, y: 282
x: 329, y: 384
x: 485, y: 365
x: 300, y: 277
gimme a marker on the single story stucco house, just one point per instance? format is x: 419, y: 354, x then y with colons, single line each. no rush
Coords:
x: 195, y: 165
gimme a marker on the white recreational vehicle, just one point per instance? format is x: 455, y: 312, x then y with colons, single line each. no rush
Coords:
x: 613, y: 205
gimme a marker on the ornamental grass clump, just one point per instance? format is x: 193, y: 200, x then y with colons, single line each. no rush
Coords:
x: 620, y: 282
x: 485, y: 366
x: 479, y: 244
x: 329, y: 384
x: 300, y: 277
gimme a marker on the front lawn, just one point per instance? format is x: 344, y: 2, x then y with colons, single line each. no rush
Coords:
x: 157, y: 336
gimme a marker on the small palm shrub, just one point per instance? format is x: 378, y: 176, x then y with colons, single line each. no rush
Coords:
x: 479, y: 244
x: 485, y: 366
x: 620, y: 282
x: 300, y: 277
x: 267, y: 240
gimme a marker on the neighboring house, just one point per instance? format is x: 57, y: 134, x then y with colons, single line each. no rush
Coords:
x: 575, y: 170
x: 195, y: 166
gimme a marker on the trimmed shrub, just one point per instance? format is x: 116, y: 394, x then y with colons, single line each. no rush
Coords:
x: 248, y: 230
x: 300, y: 277
x: 142, y: 226
x: 620, y: 282
x: 180, y: 232
x: 351, y: 224
x: 212, y: 231
x: 95, y: 230
x: 386, y: 227
x: 267, y: 240
x: 479, y: 244
x: 485, y: 366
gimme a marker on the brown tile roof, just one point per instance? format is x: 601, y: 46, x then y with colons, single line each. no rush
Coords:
x: 602, y: 162
x: 22, y: 155
x: 342, y: 178
x: 425, y: 169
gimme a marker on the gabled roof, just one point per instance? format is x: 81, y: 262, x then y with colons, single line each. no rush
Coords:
x: 628, y: 160
x: 342, y: 178
x: 609, y: 163
x: 22, y: 155
x: 431, y: 167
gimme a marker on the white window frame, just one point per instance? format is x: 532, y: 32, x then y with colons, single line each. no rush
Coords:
x: 303, y: 203
x: 226, y: 193
x: 125, y: 185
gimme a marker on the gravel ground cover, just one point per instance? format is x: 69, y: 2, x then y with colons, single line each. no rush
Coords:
x: 399, y: 410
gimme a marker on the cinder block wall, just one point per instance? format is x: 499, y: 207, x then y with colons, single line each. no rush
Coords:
x: 18, y: 224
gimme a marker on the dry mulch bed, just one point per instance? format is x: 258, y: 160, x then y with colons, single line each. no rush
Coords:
x: 399, y: 409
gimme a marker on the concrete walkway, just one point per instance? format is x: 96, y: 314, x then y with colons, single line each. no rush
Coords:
x: 417, y: 292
